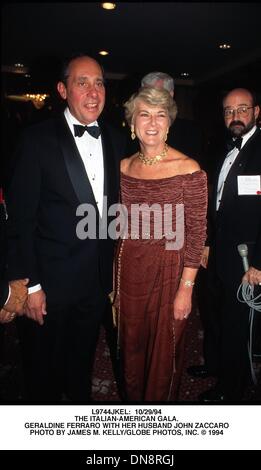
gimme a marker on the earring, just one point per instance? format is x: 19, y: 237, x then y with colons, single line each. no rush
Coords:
x: 166, y: 136
x: 133, y: 136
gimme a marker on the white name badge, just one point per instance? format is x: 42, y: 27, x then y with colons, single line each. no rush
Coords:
x: 249, y: 185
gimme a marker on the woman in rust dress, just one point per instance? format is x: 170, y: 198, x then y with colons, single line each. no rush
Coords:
x: 165, y: 194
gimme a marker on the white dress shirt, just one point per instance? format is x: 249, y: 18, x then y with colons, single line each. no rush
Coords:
x: 228, y: 162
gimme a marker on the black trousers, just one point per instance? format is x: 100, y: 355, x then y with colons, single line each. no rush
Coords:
x: 2, y: 333
x: 226, y: 334
x: 58, y: 357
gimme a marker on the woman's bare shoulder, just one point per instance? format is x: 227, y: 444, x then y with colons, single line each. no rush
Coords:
x: 125, y: 163
x: 191, y: 165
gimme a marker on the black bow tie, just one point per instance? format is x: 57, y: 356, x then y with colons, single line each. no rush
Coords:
x: 231, y: 144
x: 79, y: 130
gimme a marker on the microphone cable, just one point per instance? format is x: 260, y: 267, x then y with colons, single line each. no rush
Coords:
x: 245, y: 294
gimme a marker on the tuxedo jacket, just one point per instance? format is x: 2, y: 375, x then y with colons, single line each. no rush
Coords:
x: 48, y: 185
x: 238, y: 219
x: 4, y: 290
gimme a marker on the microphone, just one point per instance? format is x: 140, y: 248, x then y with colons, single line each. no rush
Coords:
x: 243, y: 251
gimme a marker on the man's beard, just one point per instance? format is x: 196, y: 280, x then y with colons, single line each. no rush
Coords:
x: 238, y: 128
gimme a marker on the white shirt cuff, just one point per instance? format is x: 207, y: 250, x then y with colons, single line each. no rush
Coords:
x: 35, y: 288
x: 9, y: 293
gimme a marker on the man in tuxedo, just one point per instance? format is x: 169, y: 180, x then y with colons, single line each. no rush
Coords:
x: 67, y: 166
x: 234, y: 218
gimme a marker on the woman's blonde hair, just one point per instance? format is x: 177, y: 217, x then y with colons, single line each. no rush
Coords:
x: 153, y: 97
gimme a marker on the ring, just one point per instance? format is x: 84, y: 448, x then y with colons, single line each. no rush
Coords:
x: 12, y: 315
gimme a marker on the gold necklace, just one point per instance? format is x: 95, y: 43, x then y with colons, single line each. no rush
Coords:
x: 153, y: 160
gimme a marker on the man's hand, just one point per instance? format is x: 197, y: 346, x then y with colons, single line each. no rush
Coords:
x: 35, y: 306
x: 252, y: 276
x: 6, y: 317
x: 17, y: 297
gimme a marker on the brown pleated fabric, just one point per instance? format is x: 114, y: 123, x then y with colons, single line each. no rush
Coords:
x: 151, y: 341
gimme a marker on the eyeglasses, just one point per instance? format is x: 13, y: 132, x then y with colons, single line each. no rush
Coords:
x: 241, y: 111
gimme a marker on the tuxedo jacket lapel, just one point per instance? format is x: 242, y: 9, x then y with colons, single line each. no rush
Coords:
x: 213, y: 210
x: 74, y: 164
x: 110, y: 166
x: 230, y: 190
x: 76, y: 169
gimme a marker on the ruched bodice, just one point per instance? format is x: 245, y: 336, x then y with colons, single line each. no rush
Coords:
x: 168, y: 196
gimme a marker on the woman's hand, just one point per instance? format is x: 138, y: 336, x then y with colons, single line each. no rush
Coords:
x: 182, y: 303
x: 18, y: 296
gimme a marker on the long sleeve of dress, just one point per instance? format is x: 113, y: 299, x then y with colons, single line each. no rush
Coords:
x: 195, y: 206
